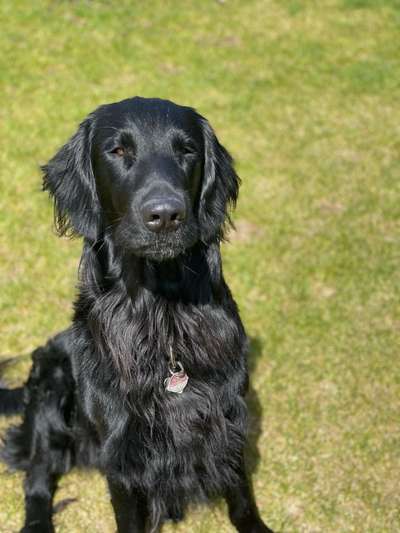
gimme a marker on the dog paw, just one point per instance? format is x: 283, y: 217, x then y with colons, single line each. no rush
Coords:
x: 259, y: 527
x: 38, y: 527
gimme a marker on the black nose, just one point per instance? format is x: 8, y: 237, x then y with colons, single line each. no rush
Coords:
x: 163, y: 214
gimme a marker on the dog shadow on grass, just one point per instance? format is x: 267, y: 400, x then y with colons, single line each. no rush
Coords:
x: 255, y: 410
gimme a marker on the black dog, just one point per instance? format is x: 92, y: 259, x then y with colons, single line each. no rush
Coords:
x: 148, y: 383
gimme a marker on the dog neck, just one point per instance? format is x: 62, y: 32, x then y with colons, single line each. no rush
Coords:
x: 192, y: 278
x: 135, y: 309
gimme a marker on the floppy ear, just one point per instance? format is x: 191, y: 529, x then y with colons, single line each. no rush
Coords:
x: 69, y: 178
x: 220, y: 187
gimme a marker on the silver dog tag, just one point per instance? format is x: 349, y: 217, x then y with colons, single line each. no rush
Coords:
x: 177, y: 381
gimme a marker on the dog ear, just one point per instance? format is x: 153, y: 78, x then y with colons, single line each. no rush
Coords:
x: 69, y: 178
x: 220, y: 187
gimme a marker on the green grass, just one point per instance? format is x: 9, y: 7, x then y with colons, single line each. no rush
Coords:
x: 306, y: 96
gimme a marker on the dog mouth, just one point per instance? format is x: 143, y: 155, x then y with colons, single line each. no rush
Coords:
x: 161, y: 251
x: 160, y: 247
x: 132, y: 238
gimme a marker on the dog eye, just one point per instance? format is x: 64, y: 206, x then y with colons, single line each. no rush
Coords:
x: 184, y: 149
x: 119, y: 151
x: 189, y: 150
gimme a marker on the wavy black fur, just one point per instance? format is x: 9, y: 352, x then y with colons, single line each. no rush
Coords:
x: 96, y: 394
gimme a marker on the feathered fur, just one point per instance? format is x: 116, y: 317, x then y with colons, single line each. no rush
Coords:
x: 96, y: 393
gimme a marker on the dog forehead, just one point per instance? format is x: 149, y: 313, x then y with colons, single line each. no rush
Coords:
x: 151, y: 117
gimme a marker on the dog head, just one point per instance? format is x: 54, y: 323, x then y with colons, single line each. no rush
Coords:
x: 148, y: 172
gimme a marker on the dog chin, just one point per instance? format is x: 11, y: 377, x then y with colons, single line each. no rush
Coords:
x: 162, y: 253
x: 159, y: 251
x: 162, y: 247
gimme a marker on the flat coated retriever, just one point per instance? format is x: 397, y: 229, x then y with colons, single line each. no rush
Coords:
x: 147, y: 385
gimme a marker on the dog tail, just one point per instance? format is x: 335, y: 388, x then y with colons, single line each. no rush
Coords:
x: 11, y: 400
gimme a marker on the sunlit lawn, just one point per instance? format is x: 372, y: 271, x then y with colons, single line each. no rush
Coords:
x: 306, y: 96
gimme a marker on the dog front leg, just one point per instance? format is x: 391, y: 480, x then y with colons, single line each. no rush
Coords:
x: 40, y: 486
x: 130, y: 508
x: 242, y: 508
